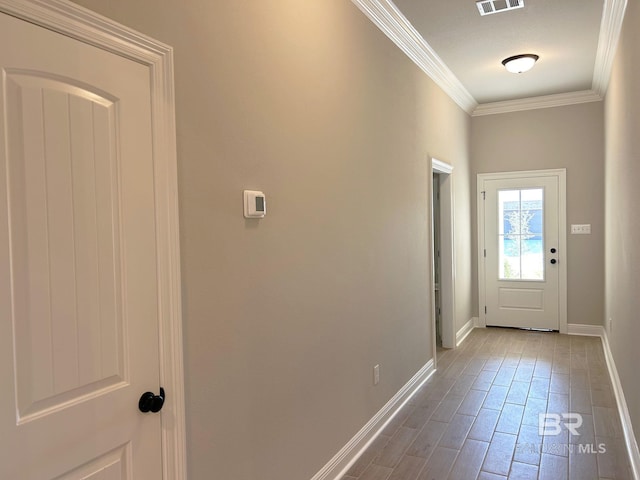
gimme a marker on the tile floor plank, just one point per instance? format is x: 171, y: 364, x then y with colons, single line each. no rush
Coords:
x: 484, y: 425
x: 510, y: 418
x: 477, y: 416
x: 447, y: 408
x: 528, y: 446
x: 496, y: 397
x: 582, y: 466
x: 518, y: 392
x: 553, y: 467
x: 490, y: 476
x: 457, y: 431
x: 439, y: 465
x: 532, y: 411
x: 395, y: 447
x: 408, y: 468
x: 469, y: 460
x: 376, y: 472
x: 559, y: 383
x: 367, y: 456
x: 523, y: 471
x: 427, y: 439
x: 500, y: 454
x: 472, y: 403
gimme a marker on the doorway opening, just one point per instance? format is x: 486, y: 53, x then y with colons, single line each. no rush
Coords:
x: 436, y: 259
x: 442, y: 255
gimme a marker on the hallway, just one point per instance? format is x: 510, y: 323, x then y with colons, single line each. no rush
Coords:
x: 477, y: 416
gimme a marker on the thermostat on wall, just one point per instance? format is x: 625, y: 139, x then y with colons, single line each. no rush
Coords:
x: 255, y: 204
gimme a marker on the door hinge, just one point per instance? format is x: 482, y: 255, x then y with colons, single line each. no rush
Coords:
x: 485, y: 310
x: 485, y: 253
x: 484, y: 195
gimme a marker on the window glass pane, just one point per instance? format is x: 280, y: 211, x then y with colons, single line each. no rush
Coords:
x: 521, y: 234
x: 509, y: 258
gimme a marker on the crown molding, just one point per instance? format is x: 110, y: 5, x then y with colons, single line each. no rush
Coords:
x: 386, y: 16
x: 534, y: 103
x: 610, y: 29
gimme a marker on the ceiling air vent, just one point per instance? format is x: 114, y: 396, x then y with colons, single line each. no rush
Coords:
x: 487, y: 7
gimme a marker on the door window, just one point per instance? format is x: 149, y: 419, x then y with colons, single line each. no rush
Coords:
x: 520, y: 234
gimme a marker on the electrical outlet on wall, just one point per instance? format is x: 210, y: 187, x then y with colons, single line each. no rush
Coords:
x: 376, y: 374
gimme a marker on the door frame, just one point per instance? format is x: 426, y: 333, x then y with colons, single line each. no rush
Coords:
x: 74, y: 21
x: 447, y: 254
x: 561, y: 175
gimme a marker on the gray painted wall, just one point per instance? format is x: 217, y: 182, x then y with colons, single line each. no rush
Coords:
x: 285, y: 317
x: 569, y: 137
x: 622, y: 175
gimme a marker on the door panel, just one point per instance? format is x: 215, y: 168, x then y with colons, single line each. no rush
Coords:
x: 521, y: 226
x: 523, y: 298
x: 111, y: 466
x: 64, y: 223
x: 78, y: 288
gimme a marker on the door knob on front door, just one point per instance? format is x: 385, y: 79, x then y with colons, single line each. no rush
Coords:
x: 149, y: 402
x: 553, y: 261
x: 553, y: 250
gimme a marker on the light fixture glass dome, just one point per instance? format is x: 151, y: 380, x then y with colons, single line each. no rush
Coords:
x: 520, y: 63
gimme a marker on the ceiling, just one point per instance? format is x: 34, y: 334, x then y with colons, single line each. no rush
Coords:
x: 462, y: 50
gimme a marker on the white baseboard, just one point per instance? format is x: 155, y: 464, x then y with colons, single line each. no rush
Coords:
x: 466, y: 330
x: 625, y: 418
x: 342, y: 461
x: 585, y: 330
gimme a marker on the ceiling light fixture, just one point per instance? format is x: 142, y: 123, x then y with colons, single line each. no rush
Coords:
x: 520, y: 63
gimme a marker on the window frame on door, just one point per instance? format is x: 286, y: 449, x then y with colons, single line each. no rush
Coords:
x: 561, y: 175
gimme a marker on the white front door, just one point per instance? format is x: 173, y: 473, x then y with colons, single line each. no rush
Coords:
x: 78, y: 281
x: 522, y: 253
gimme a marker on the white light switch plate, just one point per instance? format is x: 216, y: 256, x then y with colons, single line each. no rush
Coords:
x: 581, y: 229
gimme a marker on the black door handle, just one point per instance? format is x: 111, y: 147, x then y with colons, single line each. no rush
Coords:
x: 149, y: 402
x: 553, y: 261
x: 553, y: 250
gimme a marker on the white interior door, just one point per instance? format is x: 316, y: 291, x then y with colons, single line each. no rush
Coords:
x: 522, y: 252
x: 78, y: 285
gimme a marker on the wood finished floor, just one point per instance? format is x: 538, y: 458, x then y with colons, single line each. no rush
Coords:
x: 477, y: 416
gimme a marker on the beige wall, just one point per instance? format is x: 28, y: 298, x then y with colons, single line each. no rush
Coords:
x: 622, y: 173
x: 285, y: 317
x: 569, y: 137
